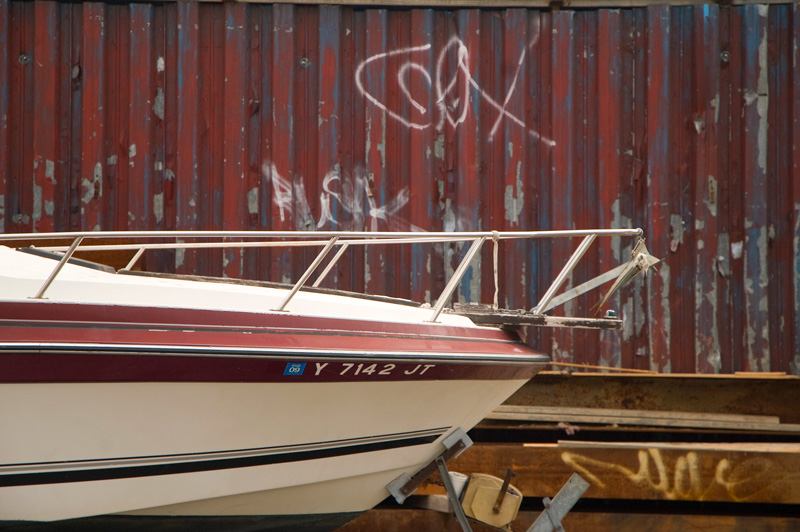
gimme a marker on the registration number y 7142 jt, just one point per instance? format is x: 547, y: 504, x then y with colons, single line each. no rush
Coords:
x: 352, y: 368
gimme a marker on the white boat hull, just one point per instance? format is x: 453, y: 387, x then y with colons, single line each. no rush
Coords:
x: 63, y: 429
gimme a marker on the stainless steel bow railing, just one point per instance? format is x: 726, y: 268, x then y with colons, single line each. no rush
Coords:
x: 343, y: 239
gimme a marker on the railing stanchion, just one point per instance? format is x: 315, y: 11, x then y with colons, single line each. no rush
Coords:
x: 457, y: 275
x: 299, y: 284
x: 135, y: 258
x: 568, y: 267
x: 331, y: 264
x: 61, y: 263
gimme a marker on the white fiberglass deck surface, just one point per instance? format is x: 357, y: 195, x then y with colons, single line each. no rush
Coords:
x: 23, y: 274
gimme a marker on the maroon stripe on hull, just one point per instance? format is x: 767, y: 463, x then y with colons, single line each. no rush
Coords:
x: 54, y: 366
x: 56, y: 342
x: 261, y: 338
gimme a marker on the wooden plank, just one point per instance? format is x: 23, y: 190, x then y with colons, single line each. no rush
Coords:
x: 644, y: 421
x: 761, y: 474
x: 759, y: 447
x: 747, y: 394
x: 656, y: 414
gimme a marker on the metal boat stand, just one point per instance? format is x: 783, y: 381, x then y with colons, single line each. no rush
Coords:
x: 555, y: 510
x: 404, y: 485
x: 548, y: 521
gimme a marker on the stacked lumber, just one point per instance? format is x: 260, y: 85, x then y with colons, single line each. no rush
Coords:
x: 661, y: 452
x: 690, y: 444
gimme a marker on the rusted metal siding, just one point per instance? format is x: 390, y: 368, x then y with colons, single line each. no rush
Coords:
x: 681, y: 120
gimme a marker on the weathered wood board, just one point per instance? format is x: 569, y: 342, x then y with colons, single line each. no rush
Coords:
x: 645, y: 418
x: 751, y: 473
x: 741, y: 394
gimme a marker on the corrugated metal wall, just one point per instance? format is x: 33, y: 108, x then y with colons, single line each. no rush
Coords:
x: 681, y: 120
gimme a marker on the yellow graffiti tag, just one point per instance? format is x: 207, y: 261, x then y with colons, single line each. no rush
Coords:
x: 683, y: 483
x: 755, y: 479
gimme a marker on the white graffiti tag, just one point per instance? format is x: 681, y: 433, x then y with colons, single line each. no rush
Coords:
x: 451, y: 92
x: 352, y: 195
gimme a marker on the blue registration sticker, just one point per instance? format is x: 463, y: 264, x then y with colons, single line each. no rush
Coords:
x: 295, y: 368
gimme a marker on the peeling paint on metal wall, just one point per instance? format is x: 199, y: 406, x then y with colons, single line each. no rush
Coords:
x: 681, y: 120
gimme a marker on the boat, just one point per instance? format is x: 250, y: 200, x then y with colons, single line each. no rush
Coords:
x: 131, y: 399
